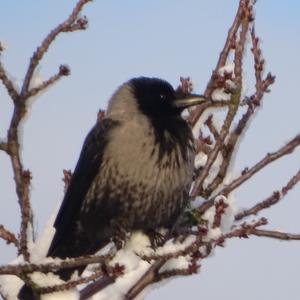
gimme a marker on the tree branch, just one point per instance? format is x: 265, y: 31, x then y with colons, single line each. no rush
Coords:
x: 195, y: 115
x: 11, y: 89
x: 148, y: 278
x: 248, y: 173
x: 8, y: 236
x: 246, y: 18
x: 72, y: 23
x: 63, y: 71
x: 271, y: 200
x: 12, y: 147
x: 269, y: 158
x: 27, y: 268
x: 276, y: 235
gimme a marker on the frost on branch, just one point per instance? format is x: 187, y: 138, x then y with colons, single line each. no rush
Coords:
x: 213, y: 215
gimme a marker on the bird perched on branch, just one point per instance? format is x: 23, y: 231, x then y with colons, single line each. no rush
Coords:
x: 134, y: 171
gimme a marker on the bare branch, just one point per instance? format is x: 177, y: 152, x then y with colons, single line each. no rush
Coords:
x: 220, y: 210
x: 248, y: 173
x: 63, y: 71
x: 270, y: 157
x: 221, y: 62
x: 8, y: 236
x: 271, y: 200
x: 243, y: 231
x: 72, y: 23
x: 234, y: 102
x: 23, y: 177
x: 11, y: 89
x: 3, y: 146
x: 276, y: 235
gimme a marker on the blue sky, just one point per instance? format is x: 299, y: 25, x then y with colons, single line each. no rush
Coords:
x: 166, y: 39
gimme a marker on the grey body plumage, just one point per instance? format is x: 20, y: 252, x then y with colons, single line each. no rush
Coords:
x: 135, y: 169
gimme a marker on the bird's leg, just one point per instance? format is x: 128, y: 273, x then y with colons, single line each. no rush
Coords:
x: 120, y: 233
x: 156, y: 238
x: 180, y: 229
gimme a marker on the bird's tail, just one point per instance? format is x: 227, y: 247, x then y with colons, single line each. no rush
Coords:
x: 73, y: 245
x: 26, y: 293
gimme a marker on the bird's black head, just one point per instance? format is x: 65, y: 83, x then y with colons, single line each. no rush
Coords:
x: 157, y: 98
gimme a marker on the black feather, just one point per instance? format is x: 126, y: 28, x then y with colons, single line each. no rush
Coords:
x: 86, y: 169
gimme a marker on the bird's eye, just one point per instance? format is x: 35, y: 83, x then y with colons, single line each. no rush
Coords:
x: 162, y: 96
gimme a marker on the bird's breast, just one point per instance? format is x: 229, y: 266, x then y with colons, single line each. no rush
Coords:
x: 145, y: 177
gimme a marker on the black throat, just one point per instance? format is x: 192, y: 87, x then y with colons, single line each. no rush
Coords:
x: 170, y: 133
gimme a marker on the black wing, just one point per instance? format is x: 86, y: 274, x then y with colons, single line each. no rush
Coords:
x: 86, y: 169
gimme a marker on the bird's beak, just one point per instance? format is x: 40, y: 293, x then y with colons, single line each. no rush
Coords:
x: 189, y: 100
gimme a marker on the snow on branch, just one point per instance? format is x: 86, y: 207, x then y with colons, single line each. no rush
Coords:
x: 213, y: 217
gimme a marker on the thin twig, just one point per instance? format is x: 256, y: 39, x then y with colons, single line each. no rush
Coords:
x: 12, y: 147
x: 11, y: 89
x: 243, y: 231
x: 276, y: 235
x: 195, y: 115
x: 271, y: 200
x: 261, y: 88
x: 70, y: 284
x: 248, y: 173
x: 66, y: 26
x: 63, y: 71
x: 234, y: 102
x: 3, y: 146
x: 270, y: 157
x: 8, y: 236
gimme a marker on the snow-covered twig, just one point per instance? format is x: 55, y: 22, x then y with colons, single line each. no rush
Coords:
x: 228, y: 46
x: 24, y: 268
x: 246, y: 17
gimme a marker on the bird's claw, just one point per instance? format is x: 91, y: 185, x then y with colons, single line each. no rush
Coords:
x: 120, y: 234
x: 156, y: 238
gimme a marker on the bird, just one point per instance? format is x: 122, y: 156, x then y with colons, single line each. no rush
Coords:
x: 134, y: 171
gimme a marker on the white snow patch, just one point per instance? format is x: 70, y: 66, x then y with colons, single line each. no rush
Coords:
x: 49, y: 279
x: 200, y: 123
x: 197, y: 202
x: 181, y: 262
x: 10, y: 286
x: 219, y: 95
x: 209, y: 215
x: 172, y: 246
x: 229, y: 68
x: 231, y: 210
x: 213, y: 170
x: 200, y: 160
x: 135, y: 267
x: 39, y: 249
x: 36, y: 80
